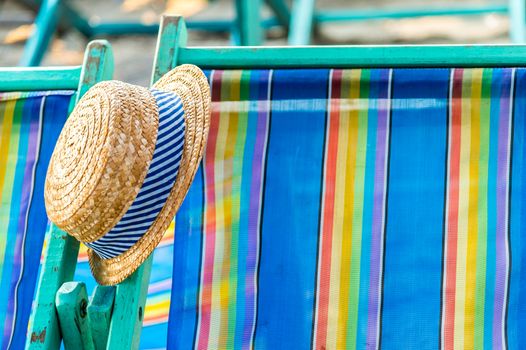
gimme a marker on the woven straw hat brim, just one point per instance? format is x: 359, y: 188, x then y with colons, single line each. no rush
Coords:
x: 191, y: 85
x: 86, y: 191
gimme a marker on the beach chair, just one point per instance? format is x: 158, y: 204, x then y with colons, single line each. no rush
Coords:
x: 52, y: 13
x: 34, y: 104
x: 361, y: 197
x: 304, y: 16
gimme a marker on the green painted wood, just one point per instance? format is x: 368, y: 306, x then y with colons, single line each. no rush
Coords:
x: 355, y: 56
x: 130, y: 297
x: 281, y: 10
x: 71, y: 303
x: 517, y: 21
x: 100, y: 308
x: 97, y: 65
x: 45, y: 26
x: 301, y: 22
x: 50, y: 78
x: 128, y: 309
x: 172, y: 38
x: 62, y: 250
x: 59, y: 266
x: 73, y: 18
x: 248, y: 20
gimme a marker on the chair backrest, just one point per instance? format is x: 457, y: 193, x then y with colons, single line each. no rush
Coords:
x: 341, y: 206
x: 34, y: 105
x: 30, y: 124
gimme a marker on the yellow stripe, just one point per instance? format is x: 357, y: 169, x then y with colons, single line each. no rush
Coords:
x: 347, y: 243
x: 471, y: 267
x: 216, y: 303
x: 5, y: 137
x: 463, y: 211
x: 357, y: 216
x: 8, y: 160
x: 339, y: 214
x: 227, y: 183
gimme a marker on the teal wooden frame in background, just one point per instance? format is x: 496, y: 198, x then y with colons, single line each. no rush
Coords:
x: 299, y: 20
x: 115, y: 314
x: 54, y: 13
x: 304, y: 16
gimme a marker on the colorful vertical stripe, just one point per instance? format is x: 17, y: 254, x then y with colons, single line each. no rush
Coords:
x: 233, y: 169
x: 382, y: 199
x: 22, y: 122
x: 353, y: 214
x: 476, y: 263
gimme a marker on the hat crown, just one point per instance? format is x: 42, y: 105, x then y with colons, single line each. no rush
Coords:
x: 101, y: 159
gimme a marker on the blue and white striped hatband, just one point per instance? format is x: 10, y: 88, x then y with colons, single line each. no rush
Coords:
x: 123, y: 164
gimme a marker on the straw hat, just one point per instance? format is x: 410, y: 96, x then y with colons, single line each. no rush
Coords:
x: 123, y: 164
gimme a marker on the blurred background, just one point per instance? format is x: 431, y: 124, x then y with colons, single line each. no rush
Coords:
x: 134, y: 53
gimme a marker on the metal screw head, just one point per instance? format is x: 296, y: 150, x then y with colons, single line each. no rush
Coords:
x: 83, y: 307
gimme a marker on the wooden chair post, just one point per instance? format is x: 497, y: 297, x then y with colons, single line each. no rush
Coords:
x: 517, y: 12
x: 130, y: 297
x: 248, y: 22
x: 43, y: 30
x: 301, y: 22
x: 62, y: 250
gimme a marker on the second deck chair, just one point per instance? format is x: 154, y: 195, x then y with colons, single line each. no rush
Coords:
x: 350, y: 197
x: 34, y: 104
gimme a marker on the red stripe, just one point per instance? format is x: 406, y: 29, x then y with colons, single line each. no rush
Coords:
x: 328, y: 214
x: 207, y: 264
x: 452, y: 229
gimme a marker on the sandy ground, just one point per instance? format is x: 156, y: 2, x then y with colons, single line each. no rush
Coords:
x: 134, y: 54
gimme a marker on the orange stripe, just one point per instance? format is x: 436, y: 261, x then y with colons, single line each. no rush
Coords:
x: 328, y: 212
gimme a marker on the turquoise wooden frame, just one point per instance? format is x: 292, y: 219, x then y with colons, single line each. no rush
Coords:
x: 62, y: 251
x: 53, y: 13
x: 112, y: 319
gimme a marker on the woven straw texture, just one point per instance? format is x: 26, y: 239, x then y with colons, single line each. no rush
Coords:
x: 103, y: 155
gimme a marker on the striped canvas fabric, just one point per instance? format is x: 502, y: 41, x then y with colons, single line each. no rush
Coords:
x: 357, y: 209
x: 30, y: 123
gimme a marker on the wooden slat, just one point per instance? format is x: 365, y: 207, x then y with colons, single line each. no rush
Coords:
x: 99, y: 312
x: 128, y: 309
x: 71, y: 303
x: 30, y: 79
x: 355, y: 56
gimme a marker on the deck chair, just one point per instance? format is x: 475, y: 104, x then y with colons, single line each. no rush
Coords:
x: 34, y: 104
x: 354, y: 197
x: 304, y: 16
x: 54, y: 13
x: 360, y: 197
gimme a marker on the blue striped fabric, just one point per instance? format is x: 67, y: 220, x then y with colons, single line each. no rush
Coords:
x: 157, y: 184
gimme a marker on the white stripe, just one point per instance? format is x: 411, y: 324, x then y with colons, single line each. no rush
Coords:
x: 171, y: 143
x: 161, y: 158
x: 164, y: 134
x: 162, y: 173
x: 167, y: 112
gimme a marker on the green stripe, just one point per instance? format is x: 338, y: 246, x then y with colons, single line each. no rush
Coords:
x: 7, y: 190
x: 237, y: 171
x: 357, y: 219
x: 480, y: 287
